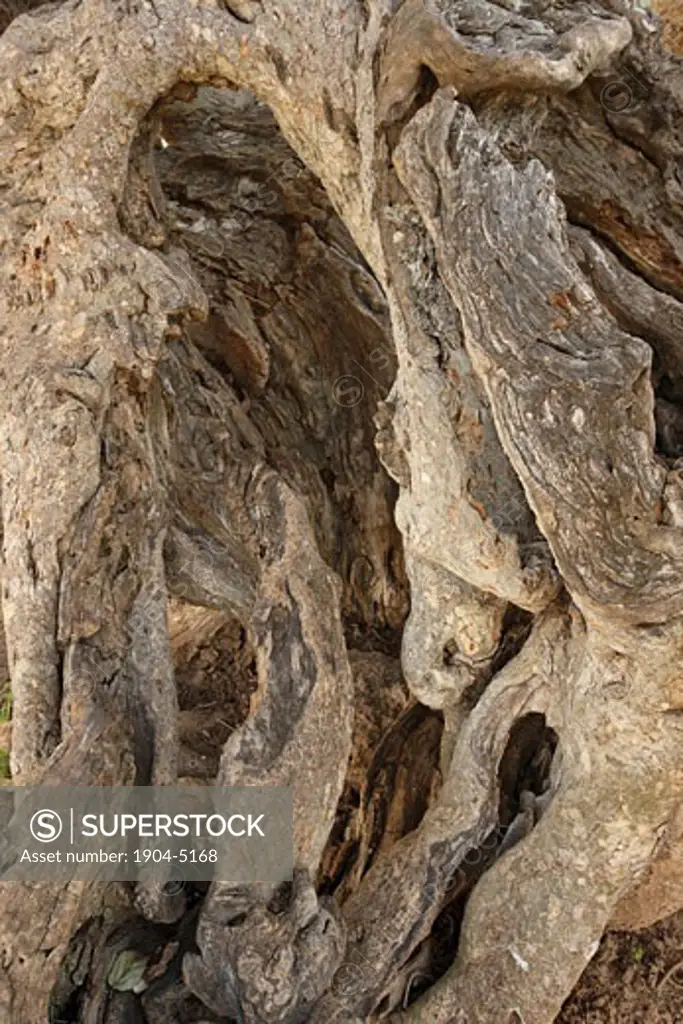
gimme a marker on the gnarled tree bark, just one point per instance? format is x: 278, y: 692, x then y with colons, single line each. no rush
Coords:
x: 357, y: 326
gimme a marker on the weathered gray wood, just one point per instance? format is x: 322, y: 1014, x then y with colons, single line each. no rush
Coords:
x: 444, y: 206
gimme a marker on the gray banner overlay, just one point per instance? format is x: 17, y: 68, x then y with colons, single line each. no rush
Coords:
x: 145, y: 833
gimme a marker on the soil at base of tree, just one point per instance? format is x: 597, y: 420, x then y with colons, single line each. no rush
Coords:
x: 635, y: 978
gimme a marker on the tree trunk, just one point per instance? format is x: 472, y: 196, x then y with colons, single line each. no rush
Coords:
x: 343, y: 343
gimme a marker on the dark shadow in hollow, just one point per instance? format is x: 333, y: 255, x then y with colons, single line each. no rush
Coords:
x: 297, y: 325
x: 524, y: 768
x: 299, y: 329
x: 299, y: 332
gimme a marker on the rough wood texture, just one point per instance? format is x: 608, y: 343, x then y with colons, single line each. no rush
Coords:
x: 358, y: 324
x: 673, y: 27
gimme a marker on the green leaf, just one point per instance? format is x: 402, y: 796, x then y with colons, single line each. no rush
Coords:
x: 638, y: 952
x: 126, y: 971
x: 5, y: 703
